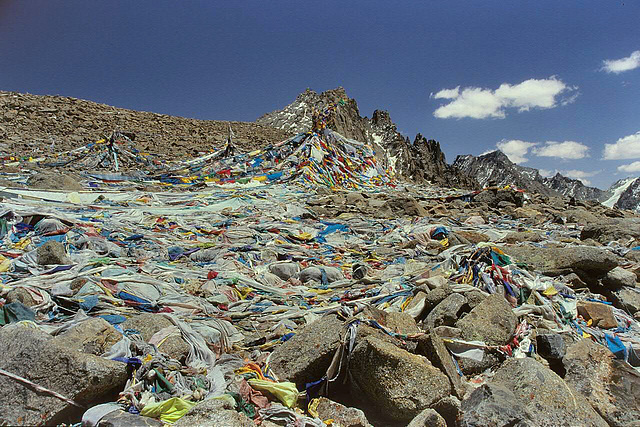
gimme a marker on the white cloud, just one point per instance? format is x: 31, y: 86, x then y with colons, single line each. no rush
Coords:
x: 447, y: 93
x: 627, y: 147
x: 579, y: 175
x: 630, y: 168
x: 546, y: 172
x: 624, y: 64
x: 515, y: 149
x: 480, y: 103
x: 564, y: 150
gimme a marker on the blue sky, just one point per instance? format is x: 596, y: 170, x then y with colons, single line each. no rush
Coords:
x: 530, y: 76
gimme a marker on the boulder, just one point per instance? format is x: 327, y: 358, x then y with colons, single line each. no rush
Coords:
x: 340, y: 414
x: 492, y: 197
x: 491, y: 321
x: 619, y: 277
x: 428, y: 418
x: 397, y: 382
x: 445, y: 313
x: 550, y: 346
x: 612, y: 387
x: 125, y: 419
x: 613, y: 229
x: 401, y: 323
x: 526, y: 393
x: 214, y: 412
x: 93, y: 336
x: 20, y: 295
x: 148, y: 324
x: 523, y: 236
x: 285, y: 270
x: 491, y: 405
x: 333, y: 274
x: 54, y: 181
x: 306, y: 356
x: 432, y: 347
x: 628, y: 299
x: 52, y: 253
x: 417, y: 306
x: 589, y: 263
x: 34, y: 355
x: 473, y: 367
x: 600, y: 314
x: 473, y: 236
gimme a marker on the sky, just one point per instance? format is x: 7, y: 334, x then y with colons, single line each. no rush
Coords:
x: 554, y: 84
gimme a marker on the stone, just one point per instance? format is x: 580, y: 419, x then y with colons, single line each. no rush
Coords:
x: 148, y: 324
x: 20, y: 295
x: 214, y: 412
x: 492, y: 197
x: 315, y: 273
x: 491, y: 405
x: 33, y: 354
x: 522, y: 236
x: 619, y: 277
x: 474, y: 367
x: 449, y: 408
x: 445, y: 313
x: 611, y: 386
x: 523, y: 392
x: 613, y: 229
x: 52, y: 253
x: 401, y: 323
x: 473, y: 236
x: 417, y: 306
x: 340, y: 414
x: 125, y: 419
x: 628, y: 299
x: 601, y: 314
x: 306, y: 356
x: 448, y: 332
x: 589, y: 263
x: 491, y: 321
x: 551, y: 346
x: 54, y: 181
x: 93, y: 336
x: 428, y: 418
x: 285, y: 270
x: 432, y: 347
x: 397, y: 382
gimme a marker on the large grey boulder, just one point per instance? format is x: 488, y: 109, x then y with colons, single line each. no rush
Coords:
x: 285, y: 270
x: 340, y: 414
x: 148, y: 324
x: 588, y: 262
x: 306, y: 356
x: 491, y: 321
x: 214, y: 412
x: 399, y: 383
x: 93, y: 336
x: 445, y: 313
x: 523, y: 392
x: 432, y: 347
x: 428, y: 418
x: 619, y: 277
x: 613, y: 229
x: 125, y: 419
x: 52, y: 253
x: 612, y: 387
x: 628, y: 299
x: 34, y: 355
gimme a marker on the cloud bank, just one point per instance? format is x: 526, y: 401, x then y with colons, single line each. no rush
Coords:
x: 618, y: 66
x: 517, y: 150
x: 481, y: 103
x: 627, y: 147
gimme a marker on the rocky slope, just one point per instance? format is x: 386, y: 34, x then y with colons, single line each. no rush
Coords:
x: 420, y: 161
x: 35, y: 125
x: 625, y: 194
x: 495, y: 168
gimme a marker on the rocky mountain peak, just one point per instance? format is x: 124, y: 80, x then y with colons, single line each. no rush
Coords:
x: 421, y: 161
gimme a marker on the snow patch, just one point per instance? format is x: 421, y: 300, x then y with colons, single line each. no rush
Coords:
x: 617, y: 192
